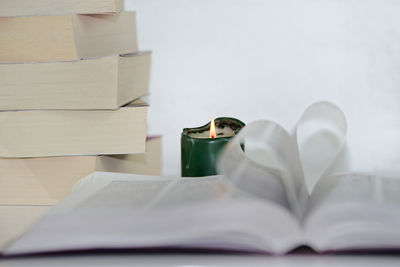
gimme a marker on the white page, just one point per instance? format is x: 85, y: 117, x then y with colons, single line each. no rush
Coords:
x: 87, y: 187
x: 278, y: 166
x: 354, y: 211
x: 260, y: 169
x: 185, y: 191
x: 182, y: 213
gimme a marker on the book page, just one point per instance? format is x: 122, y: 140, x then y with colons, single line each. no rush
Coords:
x: 186, y: 191
x: 174, y: 213
x: 281, y: 167
x: 354, y: 211
x: 260, y: 169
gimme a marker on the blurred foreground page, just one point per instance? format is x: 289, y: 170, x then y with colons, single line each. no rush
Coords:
x: 121, y: 211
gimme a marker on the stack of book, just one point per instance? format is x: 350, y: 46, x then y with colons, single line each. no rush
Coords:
x: 71, y: 78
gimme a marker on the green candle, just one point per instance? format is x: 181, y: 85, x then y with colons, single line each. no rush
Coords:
x: 200, y: 147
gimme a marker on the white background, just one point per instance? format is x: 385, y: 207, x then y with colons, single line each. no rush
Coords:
x: 270, y: 59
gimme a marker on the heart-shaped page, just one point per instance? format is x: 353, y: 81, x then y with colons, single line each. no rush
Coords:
x: 283, y: 167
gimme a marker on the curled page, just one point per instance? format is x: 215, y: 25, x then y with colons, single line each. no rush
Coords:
x: 264, y: 160
x: 320, y: 136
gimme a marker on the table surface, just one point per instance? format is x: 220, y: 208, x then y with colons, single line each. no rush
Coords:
x: 191, y: 260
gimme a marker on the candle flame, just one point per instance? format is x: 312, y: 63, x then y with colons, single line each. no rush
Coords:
x: 213, y: 134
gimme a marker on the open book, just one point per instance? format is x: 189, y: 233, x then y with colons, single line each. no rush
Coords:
x: 260, y: 204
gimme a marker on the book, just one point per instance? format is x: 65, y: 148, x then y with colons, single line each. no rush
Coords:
x: 148, y: 163
x: 66, y: 37
x: 11, y: 8
x: 44, y: 133
x: 278, y: 193
x: 46, y: 180
x: 16, y: 219
x: 99, y: 83
x: 140, y: 212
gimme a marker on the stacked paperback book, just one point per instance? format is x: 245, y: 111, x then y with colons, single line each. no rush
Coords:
x: 71, y: 78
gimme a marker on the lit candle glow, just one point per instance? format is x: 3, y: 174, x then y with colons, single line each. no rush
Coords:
x: 213, y: 134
